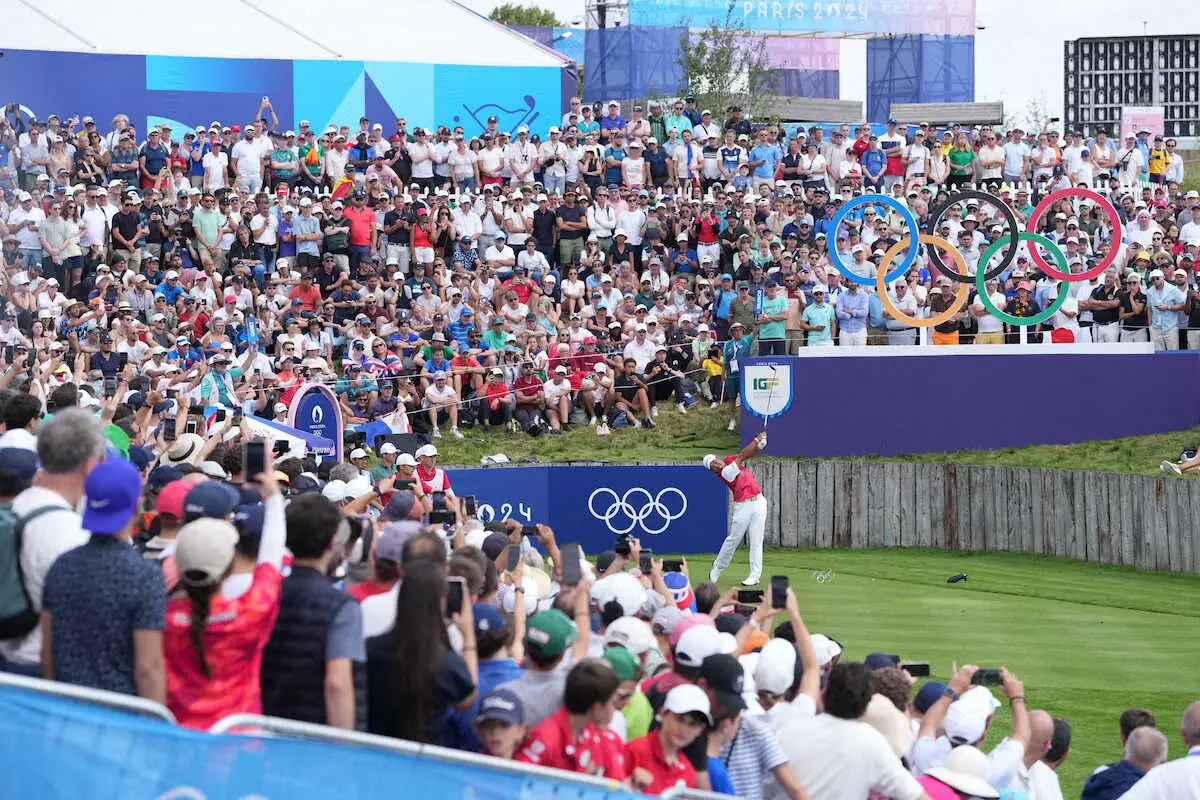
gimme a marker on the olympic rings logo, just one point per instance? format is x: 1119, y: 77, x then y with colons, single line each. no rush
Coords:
x: 621, y: 517
x: 1010, y: 242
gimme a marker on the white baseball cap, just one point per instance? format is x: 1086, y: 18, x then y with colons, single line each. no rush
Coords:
x: 688, y: 698
x: 386, y: 448
x: 358, y: 452
x: 406, y: 459
x: 204, y: 550
x: 426, y: 450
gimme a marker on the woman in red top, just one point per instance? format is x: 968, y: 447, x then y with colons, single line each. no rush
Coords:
x: 214, y: 645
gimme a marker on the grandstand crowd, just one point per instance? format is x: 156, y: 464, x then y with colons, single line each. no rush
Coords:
x: 161, y: 288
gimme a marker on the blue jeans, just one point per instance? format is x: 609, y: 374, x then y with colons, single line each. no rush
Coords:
x: 266, y: 254
x: 13, y: 668
x: 358, y: 254
x: 466, y: 184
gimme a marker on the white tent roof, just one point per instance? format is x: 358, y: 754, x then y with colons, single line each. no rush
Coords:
x: 414, y: 31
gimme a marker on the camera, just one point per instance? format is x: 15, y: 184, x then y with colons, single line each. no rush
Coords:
x: 622, y: 547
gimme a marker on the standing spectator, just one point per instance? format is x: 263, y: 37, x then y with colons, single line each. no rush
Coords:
x: 214, y: 643
x: 549, y: 636
x: 69, y: 446
x: 1178, y: 779
x: 413, y: 675
x: 853, y: 308
x: 312, y: 668
x: 1163, y: 301
x: 102, y: 608
x: 576, y: 738
x: 656, y: 760
x: 500, y: 723
x: 1145, y: 748
x: 772, y: 337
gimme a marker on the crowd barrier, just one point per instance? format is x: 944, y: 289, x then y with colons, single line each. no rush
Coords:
x: 101, y: 745
x: 671, y: 508
x: 1105, y: 518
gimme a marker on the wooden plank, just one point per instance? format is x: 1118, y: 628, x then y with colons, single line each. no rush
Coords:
x: 876, y: 491
x: 1137, y: 523
x: 961, y: 113
x: 815, y: 109
x: 1125, y: 494
x: 1029, y: 478
x: 939, y: 476
x: 1187, y: 545
x: 1064, y: 535
x: 908, y: 505
x: 1158, y: 524
x: 824, y: 511
x: 923, y: 503
x: 1087, y: 498
x: 983, y: 514
x: 1001, y: 481
x: 1037, y: 543
x: 804, y: 495
x: 1115, y: 523
x: 783, y: 503
x: 951, y: 513
x: 889, y: 535
x: 1171, y: 492
x: 860, y: 515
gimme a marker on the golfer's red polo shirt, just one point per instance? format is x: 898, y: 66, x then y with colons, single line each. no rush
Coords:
x: 647, y: 753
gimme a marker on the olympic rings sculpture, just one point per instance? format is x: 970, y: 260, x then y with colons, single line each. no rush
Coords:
x: 621, y: 507
x: 1010, y: 242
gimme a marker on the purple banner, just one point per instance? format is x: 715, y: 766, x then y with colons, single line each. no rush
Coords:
x: 829, y: 17
x: 870, y: 405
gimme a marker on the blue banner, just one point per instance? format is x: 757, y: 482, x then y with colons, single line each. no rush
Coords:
x: 188, y: 91
x: 672, y: 509
x: 60, y: 749
x: 315, y: 410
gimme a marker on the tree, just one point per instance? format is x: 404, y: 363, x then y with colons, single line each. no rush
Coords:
x: 723, y: 65
x: 1035, y: 115
x: 526, y: 16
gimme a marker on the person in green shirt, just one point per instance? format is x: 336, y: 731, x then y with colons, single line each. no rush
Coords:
x: 314, y: 165
x: 386, y: 467
x: 819, y: 320
x: 962, y: 162
x: 284, y: 164
x: 496, y: 337
x: 772, y: 338
x: 645, y: 296
x: 658, y: 123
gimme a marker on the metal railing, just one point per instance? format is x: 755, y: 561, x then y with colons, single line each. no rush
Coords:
x: 121, y: 702
x: 276, y: 726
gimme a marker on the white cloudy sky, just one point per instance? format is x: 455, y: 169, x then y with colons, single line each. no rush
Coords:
x: 1018, y: 56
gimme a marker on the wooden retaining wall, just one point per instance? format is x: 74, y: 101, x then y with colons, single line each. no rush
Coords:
x: 1107, y: 518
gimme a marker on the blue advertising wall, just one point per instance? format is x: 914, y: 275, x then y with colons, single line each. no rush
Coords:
x: 672, y: 509
x: 918, y: 69
x: 185, y: 92
x: 116, y: 756
x: 943, y: 403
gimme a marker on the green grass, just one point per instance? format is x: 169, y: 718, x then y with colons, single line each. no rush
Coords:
x: 677, y: 438
x: 703, y: 430
x: 1088, y: 641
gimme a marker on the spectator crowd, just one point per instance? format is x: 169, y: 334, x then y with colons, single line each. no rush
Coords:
x: 215, y: 592
x: 163, y: 288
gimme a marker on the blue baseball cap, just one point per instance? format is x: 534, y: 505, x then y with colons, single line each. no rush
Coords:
x: 18, y: 463
x: 501, y: 705
x: 209, y: 499
x: 248, y: 519
x: 113, y: 490
x: 466, y: 312
x: 487, y: 618
x: 928, y: 694
x: 726, y: 277
x: 879, y: 661
x: 161, y: 475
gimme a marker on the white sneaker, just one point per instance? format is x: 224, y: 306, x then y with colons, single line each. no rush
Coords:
x: 654, y: 411
x: 1170, y: 466
x: 714, y: 574
x: 637, y: 423
x: 437, y: 433
x: 751, y: 581
x: 592, y: 421
x: 713, y: 404
x: 681, y: 408
x: 732, y: 426
x: 602, y: 429
x: 456, y: 433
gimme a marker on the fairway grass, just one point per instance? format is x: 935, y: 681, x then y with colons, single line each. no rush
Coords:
x: 1088, y: 641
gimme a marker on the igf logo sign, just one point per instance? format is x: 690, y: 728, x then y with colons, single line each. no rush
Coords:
x: 763, y: 384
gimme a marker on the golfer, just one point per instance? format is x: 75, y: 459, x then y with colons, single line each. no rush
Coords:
x: 749, y: 509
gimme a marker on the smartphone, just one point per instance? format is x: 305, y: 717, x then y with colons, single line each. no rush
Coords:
x: 750, y: 596
x: 169, y: 431
x: 744, y: 610
x: 918, y: 669
x: 282, y: 447
x: 219, y: 416
x: 529, y: 530
x: 9, y: 353
x: 191, y: 426
x: 441, y: 516
x: 456, y: 592
x: 258, y: 372
x: 237, y: 416
x: 122, y: 359
x: 673, y: 565
x: 254, y: 459
x: 571, y: 572
x: 110, y: 387
x: 987, y: 677
x: 514, y: 557
x: 172, y: 394
x: 470, y: 505
x: 646, y: 561
x: 779, y: 587
x: 621, y: 546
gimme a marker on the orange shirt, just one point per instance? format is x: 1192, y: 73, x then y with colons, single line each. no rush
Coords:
x: 309, y: 298
x: 234, y: 640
